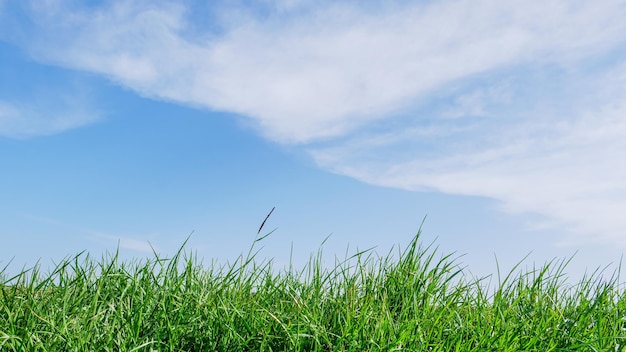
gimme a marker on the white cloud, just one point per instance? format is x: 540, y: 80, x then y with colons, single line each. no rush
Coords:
x: 326, y: 72
x: 515, y: 100
x: 567, y: 168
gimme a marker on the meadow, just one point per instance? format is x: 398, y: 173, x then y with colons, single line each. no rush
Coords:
x: 412, y: 299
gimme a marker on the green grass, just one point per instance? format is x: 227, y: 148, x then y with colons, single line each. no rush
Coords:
x: 416, y: 300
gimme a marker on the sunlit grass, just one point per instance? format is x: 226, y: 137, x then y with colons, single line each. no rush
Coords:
x: 417, y: 300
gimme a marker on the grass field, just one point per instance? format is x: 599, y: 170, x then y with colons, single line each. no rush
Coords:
x: 412, y: 300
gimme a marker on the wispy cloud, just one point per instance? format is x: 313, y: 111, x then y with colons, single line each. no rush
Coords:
x: 518, y: 101
x: 21, y: 120
x: 134, y: 244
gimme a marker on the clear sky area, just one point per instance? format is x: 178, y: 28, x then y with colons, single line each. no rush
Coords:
x: 130, y: 125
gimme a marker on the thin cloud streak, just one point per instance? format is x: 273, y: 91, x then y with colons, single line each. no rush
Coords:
x: 21, y: 121
x: 517, y: 101
x: 123, y: 241
x: 135, y: 245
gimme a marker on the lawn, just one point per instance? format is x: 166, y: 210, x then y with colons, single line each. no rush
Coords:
x: 412, y: 299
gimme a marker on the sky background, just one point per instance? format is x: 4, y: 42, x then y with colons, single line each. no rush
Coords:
x: 131, y: 124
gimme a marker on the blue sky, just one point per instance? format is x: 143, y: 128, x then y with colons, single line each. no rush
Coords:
x: 135, y: 123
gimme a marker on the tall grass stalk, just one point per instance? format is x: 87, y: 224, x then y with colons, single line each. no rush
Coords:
x: 417, y: 300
